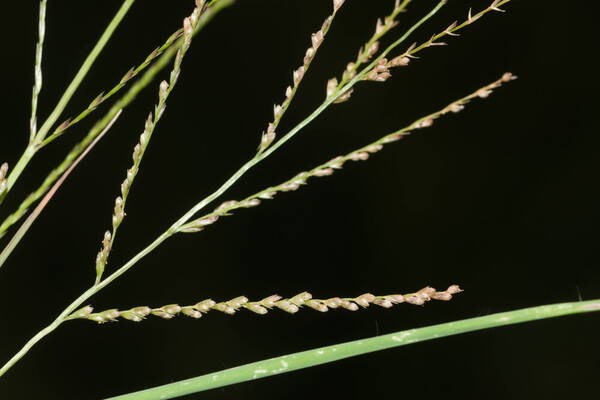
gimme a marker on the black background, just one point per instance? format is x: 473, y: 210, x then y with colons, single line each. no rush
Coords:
x: 501, y: 199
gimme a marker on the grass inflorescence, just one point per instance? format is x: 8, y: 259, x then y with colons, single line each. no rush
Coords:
x: 372, y: 64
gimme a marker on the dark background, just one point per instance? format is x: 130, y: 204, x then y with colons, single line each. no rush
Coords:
x: 501, y: 199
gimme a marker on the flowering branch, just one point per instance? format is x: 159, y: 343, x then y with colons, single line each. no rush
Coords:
x: 139, y: 150
x: 317, y: 39
x: 291, y: 305
x: 37, y: 86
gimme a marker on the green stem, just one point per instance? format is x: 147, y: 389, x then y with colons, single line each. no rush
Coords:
x: 66, y: 97
x: 305, y: 359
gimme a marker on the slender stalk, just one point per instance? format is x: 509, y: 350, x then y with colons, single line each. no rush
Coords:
x: 37, y: 86
x: 310, y: 358
x: 35, y: 213
x: 69, y: 92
